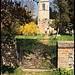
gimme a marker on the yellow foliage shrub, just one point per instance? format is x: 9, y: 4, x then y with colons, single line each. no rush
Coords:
x: 31, y: 28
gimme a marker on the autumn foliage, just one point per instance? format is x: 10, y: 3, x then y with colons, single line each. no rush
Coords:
x: 28, y: 28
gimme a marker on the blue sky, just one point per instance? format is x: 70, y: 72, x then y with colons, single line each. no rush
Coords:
x: 35, y: 3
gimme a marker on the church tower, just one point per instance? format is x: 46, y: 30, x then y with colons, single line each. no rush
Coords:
x: 43, y: 16
x: 43, y: 10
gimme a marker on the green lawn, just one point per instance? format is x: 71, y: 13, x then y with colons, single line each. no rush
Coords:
x: 25, y: 37
x: 60, y: 38
x: 63, y: 38
x: 30, y: 37
x: 66, y: 38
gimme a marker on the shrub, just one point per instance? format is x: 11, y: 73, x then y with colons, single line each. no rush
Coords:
x: 27, y: 45
x: 12, y: 12
x: 4, y: 32
x: 31, y: 28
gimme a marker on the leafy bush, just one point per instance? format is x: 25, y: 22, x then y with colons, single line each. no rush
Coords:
x: 14, y: 28
x: 7, y: 69
x: 3, y: 37
x: 31, y: 28
x: 65, y: 72
x: 11, y: 71
x: 27, y: 45
x: 12, y: 12
x: 4, y: 32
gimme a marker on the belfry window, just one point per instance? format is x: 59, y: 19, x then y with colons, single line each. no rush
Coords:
x: 65, y: 0
x: 43, y: 6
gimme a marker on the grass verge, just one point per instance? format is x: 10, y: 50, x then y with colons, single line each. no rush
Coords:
x: 57, y: 71
x: 63, y: 38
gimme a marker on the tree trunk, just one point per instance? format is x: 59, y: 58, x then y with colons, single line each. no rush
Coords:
x: 57, y: 33
x: 33, y: 34
x: 27, y: 34
x: 72, y: 32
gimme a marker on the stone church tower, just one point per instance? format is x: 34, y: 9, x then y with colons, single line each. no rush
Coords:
x: 43, y: 16
x: 43, y: 10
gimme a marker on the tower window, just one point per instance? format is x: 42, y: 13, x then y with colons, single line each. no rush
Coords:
x: 65, y: 0
x: 43, y: 6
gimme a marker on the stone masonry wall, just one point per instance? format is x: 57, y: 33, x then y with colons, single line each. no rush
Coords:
x: 9, y: 55
x: 66, y: 54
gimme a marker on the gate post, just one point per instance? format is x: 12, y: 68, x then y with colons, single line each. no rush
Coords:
x: 20, y: 56
x: 66, y: 54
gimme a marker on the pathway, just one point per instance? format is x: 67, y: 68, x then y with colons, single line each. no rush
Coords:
x: 45, y: 40
x: 39, y: 59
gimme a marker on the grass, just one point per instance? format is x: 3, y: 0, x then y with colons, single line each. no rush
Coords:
x: 19, y: 71
x: 30, y: 37
x: 64, y: 38
x: 44, y: 63
x: 24, y: 37
x: 59, y: 38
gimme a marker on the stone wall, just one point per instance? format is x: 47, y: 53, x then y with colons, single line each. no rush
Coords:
x: 45, y: 28
x: 9, y: 54
x: 65, y: 54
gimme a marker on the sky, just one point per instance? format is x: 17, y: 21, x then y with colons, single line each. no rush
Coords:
x: 36, y: 7
x: 35, y: 3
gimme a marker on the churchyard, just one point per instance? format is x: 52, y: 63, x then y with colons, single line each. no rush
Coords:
x: 37, y: 46
x: 52, y: 49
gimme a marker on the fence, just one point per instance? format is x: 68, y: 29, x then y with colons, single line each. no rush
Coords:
x: 37, y: 53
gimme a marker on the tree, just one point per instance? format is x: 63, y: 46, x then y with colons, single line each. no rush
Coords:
x: 13, y: 15
x: 35, y: 20
x: 28, y: 28
x: 61, y: 6
x: 71, y: 11
x: 63, y: 14
x: 53, y: 14
x: 30, y: 7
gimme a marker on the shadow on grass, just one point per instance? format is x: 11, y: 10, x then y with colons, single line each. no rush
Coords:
x: 49, y: 53
x: 33, y: 46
